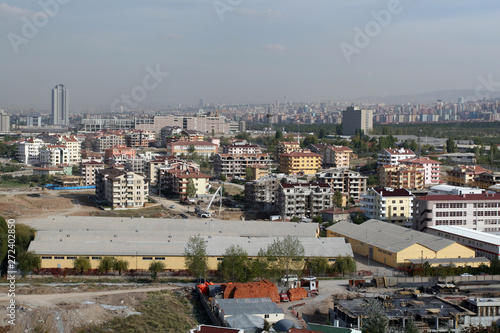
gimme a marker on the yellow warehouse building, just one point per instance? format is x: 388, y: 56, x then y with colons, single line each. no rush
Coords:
x: 140, y: 241
x: 397, y: 246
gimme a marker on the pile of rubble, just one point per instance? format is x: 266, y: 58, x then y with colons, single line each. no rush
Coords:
x: 262, y: 288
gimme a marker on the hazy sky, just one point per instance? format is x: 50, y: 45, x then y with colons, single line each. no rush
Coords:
x: 250, y: 51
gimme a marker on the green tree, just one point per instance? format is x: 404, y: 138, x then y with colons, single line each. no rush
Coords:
x: 451, y: 147
x: 24, y: 235
x: 195, y: 256
x: 234, y: 264
x: 337, y: 199
x: 310, y: 140
x: 120, y: 265
x: 28, y: 261
x: 322, y: 133
x: 106, y: 264
x: 411, y: 327
x: 259, y: 265
x: 376, y: 318
x: 223, y: 177
x: 288, y: 252
x: 344, y: 265
x: 191, y: 189
x: 3, y: 238
x: 75, y: 170
x: 278, y: 135
x: 156, y: 267
x: 81, y: 264
x: 317, y: 266
x: 191, y: 149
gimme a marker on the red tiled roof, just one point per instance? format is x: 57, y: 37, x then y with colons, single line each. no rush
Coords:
x: 341, y: 149
x: 214, y: 329
x: 92, y: 163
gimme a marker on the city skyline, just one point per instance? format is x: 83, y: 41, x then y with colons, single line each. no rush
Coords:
x: 254, y: 52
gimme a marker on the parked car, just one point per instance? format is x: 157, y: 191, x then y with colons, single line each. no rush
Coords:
x: 290, y: 277
x: 466, y: 274
x: 309, y: 278
x: 172, y: 206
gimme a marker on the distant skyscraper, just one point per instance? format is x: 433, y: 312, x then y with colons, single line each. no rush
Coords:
x: 460, y: 100
x: 201, y: 102
x: 60, y: 108
x: 354, y: 118
x: 4, y: 122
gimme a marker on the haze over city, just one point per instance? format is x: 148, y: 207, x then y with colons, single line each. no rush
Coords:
x: 244, y: 52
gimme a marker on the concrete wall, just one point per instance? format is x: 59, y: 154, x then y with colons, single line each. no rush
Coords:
x: 393, y: 280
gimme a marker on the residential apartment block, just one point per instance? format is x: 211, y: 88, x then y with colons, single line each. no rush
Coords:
x: 201, y: 148
x: 174, y: 179
x: 121, y: 189
x: 462, y: 175
x: 89, y: 170
x: 304, y: 200
x: 118, y: 154
x: 262, y: 194
x: 107, y: 141
x: 28, y: 151
x: 286, y: 147
x: 393, y: 156
x: 432, y: 169
x: 235, y: 165
x: 53, y: 155
x: 73, y: 146
x: 344, y: 180
x: 242, y: 148
x: 139, y: 139
x: 333, y: 156
x: 393, y: 205
x: 409, y: 176
x: 302, y: 162
x: 479, y: 212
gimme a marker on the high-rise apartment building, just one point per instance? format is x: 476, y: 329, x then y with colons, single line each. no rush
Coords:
x: 354, y: 118
x: 60, y: 106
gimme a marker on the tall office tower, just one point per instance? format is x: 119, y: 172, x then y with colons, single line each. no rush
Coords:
x: 60, y: 109
x: 353, y: 118
x: 4, y: 122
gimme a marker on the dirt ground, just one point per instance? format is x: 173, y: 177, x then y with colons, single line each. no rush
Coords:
x: 63, y: 308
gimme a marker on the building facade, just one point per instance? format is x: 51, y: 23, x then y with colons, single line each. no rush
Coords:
x: 355, y: 119
x: 479, y: 212
x: 60, y: 105
x: 89, y: 170
x: 300, y: 162
x: 304, y: 200
x: 122, y: 189
x: 432, y: 169
x: 235, y: 165
x: 186, y: 148
x: 392, y: 156
x: 409, y: 176
x: 286, y: 147
x: 389, y: 205
x: 344, y: 180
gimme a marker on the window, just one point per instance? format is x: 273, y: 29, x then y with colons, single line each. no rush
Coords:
x: 147, y: 258
x: 96, y: 258
x: 46, y: 257
x: 71, y: 258
x: 58, y: 257
x: 159, y: 258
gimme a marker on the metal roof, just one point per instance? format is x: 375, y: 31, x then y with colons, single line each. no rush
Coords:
x: 148, y: 244
x: 469, y: 233
x: 186, y: 227
x: 388, y: 236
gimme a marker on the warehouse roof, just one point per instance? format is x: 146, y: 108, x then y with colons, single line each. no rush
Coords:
x: 388, y: 236
x: 186, y: 227
x: 79, y: 243
x: 469, y: 233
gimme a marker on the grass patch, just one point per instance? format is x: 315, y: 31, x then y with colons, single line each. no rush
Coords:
x: 162, y: 311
